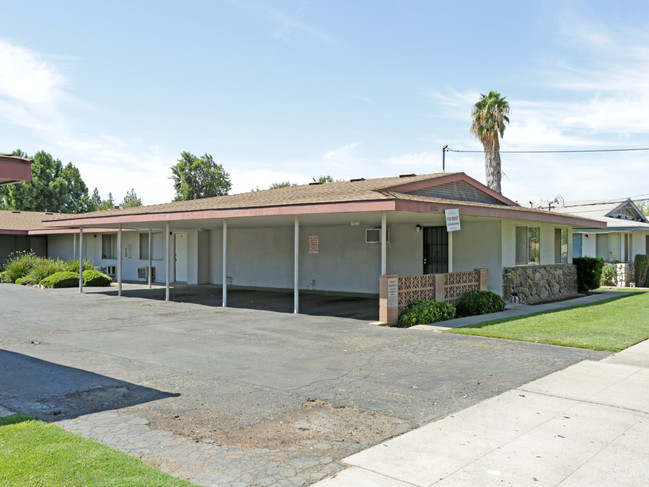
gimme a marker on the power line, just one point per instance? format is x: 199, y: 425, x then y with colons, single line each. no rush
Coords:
x: 636, y: 149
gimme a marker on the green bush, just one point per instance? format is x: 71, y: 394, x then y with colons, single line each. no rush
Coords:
x: 61, y: 279
x: 73, y: 265
x: 589, y: 272
x: 479, y: 302
x: 93, y: 278
x: 19, y: 265
x: 641, y: 266
x: 609, y: 275
x: 422, y: 312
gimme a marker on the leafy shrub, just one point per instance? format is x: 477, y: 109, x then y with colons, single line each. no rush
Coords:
x: 479, y: 302
x: 609, y: 275
x: 73, y: 265
x: 589, y: 272
x: 19, y: 265
x: 93, y: 278
x: 61, y: 279
x: 641, y: 266
x: 422, y: 312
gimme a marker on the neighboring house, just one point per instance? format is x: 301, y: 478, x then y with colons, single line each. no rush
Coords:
x: 625, y: 236
x: 336, y: 237
x: 15, y: 227
x: 14, y: 169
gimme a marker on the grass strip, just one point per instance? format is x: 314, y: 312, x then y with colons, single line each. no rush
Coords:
x: 40, y: 454
x: 609, y: 325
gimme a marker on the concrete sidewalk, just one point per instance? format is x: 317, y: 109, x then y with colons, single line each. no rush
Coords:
x: 586, y: 425
x: 514, y: 310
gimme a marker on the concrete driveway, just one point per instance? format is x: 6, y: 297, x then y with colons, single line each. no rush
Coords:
x: 238, y: 396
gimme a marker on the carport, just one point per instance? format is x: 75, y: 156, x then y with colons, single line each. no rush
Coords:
x: 230, y: 232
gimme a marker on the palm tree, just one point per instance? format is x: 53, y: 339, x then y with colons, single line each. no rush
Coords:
x: 490, y: 115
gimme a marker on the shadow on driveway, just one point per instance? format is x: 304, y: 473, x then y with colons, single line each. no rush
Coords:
x: 53, y: 392
x: 315, y: 304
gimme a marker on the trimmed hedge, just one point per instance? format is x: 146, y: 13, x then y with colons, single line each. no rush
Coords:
x: 479, y: 302
x: 423, y: 312
x: 61, y: 279
x: 589, y: 272
x: 94, y: 278
x: 641, y: 269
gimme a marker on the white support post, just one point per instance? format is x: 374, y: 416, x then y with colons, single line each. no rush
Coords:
x: 296, y: 262
x: 450, y: 252
x: 384, y: 248
x: 167, y: 263
x: 119, y: 260
x: 225, y: 263
x: 150, y: 248
x: 80, y: 259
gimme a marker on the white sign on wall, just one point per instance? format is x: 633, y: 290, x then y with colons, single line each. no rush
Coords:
x: 393, y: 292
x: 452, y: 219
x: 314, y: 244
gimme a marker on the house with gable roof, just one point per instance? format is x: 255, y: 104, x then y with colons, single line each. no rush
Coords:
x: 626, y: 233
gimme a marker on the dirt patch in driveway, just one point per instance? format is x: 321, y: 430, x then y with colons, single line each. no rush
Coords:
x: 316, y: 424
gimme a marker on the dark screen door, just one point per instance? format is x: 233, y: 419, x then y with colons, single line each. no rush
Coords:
x: 435, y: 250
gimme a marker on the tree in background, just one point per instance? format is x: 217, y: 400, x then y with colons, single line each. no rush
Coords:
x: 97, y: 204
x: 199, y: 177
x: 643, y: 205
x: 53, y: 187
x: 490, y: 115
x: 325, y: 179
x: 130, y: 200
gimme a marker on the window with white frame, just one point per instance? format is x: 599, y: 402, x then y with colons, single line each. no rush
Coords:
x: 109, y: 246
x: 561, y: 245
x: 528, y: 245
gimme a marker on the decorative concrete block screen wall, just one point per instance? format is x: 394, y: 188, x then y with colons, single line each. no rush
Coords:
x: 396, y: 292
x: 539, y: 283
x: 624, y: 271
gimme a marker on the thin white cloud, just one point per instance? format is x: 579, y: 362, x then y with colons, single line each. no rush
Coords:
x: 288, y: 25
x: 33, y: 95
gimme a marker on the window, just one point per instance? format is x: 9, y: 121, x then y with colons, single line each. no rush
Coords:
x: 576, y: 245
x: 646, y: 246
x: 109, y: 246
x: 144, y: 246
x: 627, y: 248
x: 561, y: 245
x: 528, y: 245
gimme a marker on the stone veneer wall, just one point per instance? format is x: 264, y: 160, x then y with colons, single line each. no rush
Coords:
x: 539, y: 283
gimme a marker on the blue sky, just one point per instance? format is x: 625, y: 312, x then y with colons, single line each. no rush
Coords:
x: 289, y: 90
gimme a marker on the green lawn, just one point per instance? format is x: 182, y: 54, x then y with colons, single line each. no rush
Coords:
x: 610, y: 325
x: 40, y: 454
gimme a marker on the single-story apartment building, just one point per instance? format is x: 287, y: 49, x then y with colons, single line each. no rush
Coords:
x: 337, y: 237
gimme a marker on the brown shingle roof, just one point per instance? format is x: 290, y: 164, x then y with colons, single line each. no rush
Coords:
x: 337, y: 192
x: 11, y: 220
x: 380, y: 189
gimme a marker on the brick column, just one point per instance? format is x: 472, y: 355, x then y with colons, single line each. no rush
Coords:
x: 483, y: 279
x: 389, y: 299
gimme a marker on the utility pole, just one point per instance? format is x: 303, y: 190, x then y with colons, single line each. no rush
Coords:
x: 444, y: 149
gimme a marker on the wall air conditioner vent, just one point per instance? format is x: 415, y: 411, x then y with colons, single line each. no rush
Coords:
x: 142, y: 273
x: 373, y: 236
